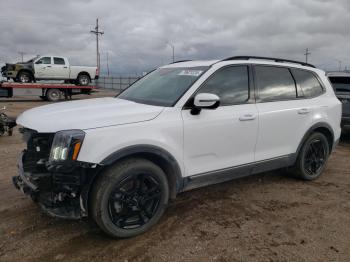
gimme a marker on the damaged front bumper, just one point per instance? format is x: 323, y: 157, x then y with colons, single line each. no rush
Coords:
x: 61, y: 191
x: 9, y: 74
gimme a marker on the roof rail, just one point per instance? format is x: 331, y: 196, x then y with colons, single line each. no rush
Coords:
x: 279, y: 60
x: 179, y: 61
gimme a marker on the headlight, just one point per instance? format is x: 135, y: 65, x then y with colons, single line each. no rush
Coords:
x: 66, y: 145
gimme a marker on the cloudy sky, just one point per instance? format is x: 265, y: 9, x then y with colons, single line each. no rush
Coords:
x: 137, y: 32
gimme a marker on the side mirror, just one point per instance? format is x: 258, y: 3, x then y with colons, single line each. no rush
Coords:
x: 205, y: 101
x: 38, y: 62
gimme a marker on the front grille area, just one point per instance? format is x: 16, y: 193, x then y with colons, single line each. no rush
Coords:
x: 48, y: 179
x: 58, y: 187
x: 37, y: 152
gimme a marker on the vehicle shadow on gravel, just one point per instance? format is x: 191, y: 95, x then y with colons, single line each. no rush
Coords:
x: 185, y: 217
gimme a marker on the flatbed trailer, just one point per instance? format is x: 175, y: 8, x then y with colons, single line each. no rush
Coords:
x: 49, y: 91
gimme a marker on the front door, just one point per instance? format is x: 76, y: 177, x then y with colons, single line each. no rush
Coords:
x: 224, y: 137
x: 43, y: 68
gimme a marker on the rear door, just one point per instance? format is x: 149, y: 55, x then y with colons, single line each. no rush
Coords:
x: 284, y: 116
x: 224, y: 137
x: 60, y: 68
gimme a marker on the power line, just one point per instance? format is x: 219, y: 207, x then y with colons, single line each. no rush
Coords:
x: 97, y: 33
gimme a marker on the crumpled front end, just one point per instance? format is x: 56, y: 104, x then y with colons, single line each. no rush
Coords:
x: 9, y: 71
x: 61, y: 190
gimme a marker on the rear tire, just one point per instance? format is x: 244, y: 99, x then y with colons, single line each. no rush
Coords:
x: 129, y: 198
x: 83, y: 80
x: 53, y: 95
x: 312, y: 157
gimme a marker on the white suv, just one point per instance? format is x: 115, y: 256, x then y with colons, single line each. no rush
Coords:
x: 184, y: 125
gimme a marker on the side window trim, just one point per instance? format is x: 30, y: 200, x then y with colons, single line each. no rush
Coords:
x: 251, y: 87
x: 297, y: 87
x: 257, y: 97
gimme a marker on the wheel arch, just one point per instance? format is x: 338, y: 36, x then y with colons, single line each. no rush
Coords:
x: 84, y: 73
x: 323, y: 128
x: 155, y: 154
x: 25, y: 70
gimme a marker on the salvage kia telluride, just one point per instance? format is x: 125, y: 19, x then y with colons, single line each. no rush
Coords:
x: 184, y: 125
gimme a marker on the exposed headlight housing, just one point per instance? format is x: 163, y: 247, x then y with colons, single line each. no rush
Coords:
x: 66, y: 145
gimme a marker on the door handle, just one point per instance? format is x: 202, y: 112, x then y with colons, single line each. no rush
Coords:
x: 48, y: 66
x: 64, y: 67
x: 303, y: 111
x: 247, y: 117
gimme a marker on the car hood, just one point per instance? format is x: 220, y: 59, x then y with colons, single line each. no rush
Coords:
x: 86, y: 114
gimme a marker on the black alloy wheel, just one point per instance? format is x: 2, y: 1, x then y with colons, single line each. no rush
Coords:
x: 313, y: 157
x: 129, y: 197
x: 134, y: 201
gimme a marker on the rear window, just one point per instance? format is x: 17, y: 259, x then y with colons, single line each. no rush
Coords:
x: 340, y: 84
x: 58, y: 61
x: 308, y: 84
x: 275, y: 83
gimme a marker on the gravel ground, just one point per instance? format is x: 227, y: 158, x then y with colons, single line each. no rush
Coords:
x: 267, y: 217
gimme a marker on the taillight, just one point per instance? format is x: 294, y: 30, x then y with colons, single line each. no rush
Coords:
x: 97, y: 71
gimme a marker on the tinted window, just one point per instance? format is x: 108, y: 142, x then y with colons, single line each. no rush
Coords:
x: 164, y: 86
x: 45, y: 60
x: 308, y: 85
x: 230, y: 84
x: 58, y: 61
x: 340, y: 84
x: 275, y: 83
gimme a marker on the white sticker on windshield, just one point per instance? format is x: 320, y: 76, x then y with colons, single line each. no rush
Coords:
x: 190, y: 73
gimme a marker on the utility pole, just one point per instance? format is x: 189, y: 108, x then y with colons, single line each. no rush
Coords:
x: 173, y: 48
x: 97, y: 33
x: 340, y: 62
x: 307, y: 53
x: 107, y: 65
x: 22, y: 54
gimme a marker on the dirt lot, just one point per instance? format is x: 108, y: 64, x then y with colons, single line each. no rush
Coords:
x: 267, y: 217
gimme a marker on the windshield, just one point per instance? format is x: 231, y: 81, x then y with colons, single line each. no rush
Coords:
x: 31, y: 60
x: 164, y: 86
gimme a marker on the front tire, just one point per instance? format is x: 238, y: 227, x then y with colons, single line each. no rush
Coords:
x: 129, y: 198
x: 313, y: 157
x: 24, y: 77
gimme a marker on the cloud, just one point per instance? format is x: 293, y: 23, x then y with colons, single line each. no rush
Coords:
x: 137, y: 32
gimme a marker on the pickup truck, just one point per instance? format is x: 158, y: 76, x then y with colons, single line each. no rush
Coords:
x: 49, y: 68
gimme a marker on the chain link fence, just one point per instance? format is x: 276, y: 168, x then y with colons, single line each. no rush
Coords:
x: 116, y: 83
